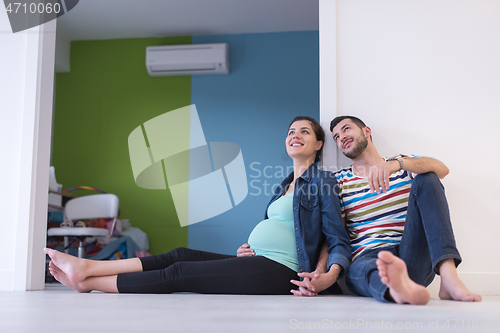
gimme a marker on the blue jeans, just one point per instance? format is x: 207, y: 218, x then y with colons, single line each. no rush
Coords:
x: 427, y: 240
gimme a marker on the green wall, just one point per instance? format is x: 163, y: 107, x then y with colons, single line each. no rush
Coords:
x: 107, y: 94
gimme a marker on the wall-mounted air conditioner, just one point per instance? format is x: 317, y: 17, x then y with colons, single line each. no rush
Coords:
x: 187, y: 59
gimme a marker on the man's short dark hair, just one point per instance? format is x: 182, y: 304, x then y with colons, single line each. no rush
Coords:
x: 355, y: 120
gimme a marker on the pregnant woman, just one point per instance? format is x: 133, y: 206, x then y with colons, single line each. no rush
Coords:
x: 302, y: 216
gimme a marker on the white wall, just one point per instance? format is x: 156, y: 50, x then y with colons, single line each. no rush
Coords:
x: 425, y: 76
x: 11, y: 107
x: 26, y: 83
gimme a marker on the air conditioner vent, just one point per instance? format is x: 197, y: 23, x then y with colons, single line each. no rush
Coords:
x: 194, y: 59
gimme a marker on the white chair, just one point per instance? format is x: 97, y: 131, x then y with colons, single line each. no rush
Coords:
x: 87, y: 207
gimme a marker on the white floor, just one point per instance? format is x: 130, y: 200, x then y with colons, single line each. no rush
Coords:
x: 58, y: 309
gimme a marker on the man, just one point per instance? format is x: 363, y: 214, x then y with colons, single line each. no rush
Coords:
x: 397, y: 217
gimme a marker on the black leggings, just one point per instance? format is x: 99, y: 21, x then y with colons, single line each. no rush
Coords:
x: 186, y: 270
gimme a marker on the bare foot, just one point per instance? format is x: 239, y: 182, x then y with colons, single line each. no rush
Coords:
x: 452, y: 288
x: 64, y: 279
x: 394, y: 274
x: 74, y: 268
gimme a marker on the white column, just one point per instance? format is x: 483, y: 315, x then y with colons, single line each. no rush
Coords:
x: 328, y: 77
x: 26, y: 90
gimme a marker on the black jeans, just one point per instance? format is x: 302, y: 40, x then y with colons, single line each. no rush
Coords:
x: 186, y: 270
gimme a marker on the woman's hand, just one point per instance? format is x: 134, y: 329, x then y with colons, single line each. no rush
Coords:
x: 305, y: 286
x: 245, y: 251
x: 314, y: 282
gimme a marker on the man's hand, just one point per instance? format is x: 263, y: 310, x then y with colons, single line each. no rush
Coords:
x: 245, y: 251
x: 378, y: 177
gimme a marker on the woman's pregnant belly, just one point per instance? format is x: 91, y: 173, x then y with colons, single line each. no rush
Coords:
x: 275, y: 240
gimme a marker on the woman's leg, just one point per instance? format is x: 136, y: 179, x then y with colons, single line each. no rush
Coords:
x: 245, y: 275
x: 78, y: 269
x: 161, y: 261
x: 85, y: 275
x: 178, y: 270
x: 102, y: 283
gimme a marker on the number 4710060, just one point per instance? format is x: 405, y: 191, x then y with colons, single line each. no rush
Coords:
x: 33, y: 8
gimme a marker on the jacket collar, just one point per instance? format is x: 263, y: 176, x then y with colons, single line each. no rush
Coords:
x: 306, y: 175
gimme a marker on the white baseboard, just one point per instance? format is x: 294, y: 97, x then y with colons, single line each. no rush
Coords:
x: 484, y: 284
x: 6, y: 280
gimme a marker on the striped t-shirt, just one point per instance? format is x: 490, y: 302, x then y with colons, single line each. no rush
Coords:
x: 373, y: 220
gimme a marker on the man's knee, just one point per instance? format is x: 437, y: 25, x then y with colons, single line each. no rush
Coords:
x: 428, y: 179
x: 362, y: 267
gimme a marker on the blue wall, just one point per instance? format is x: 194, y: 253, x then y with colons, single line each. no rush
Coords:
x: 274, y: 77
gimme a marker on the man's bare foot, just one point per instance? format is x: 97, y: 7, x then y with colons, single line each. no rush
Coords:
x: 394, y: 274
x: 64, y: 279
x: 74, y: 268
x: 452, y: 288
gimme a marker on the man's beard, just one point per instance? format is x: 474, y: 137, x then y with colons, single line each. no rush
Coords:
x: 361, y: 144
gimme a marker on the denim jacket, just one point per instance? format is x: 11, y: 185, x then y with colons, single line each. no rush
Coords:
x: 317, y: 216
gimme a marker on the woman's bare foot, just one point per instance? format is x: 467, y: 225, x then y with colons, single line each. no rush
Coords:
x: 64, y: 279
x: 452, y: 288
x: 394, y: 274
x: 74, y: 268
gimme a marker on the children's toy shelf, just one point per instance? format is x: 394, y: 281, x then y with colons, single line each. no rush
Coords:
x: 57, y: 200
